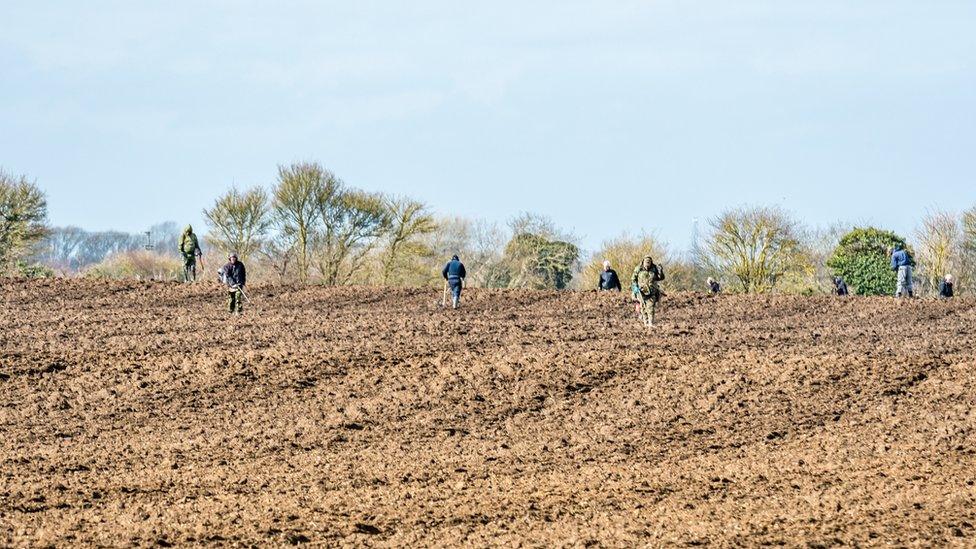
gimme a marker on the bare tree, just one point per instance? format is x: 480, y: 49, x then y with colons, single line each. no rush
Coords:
x: 819, y: 244
x: 410, y: 221
x: 624, y: 254
x: 60, y: 248
x: 938, y: 245
x: 754, y: 247
x: 300, y: 191
x: 537, y: 224
x: 479, y: 243
x: 968, y: 250
x: 278, y: 251
x: 239, y: 220
x: 99, y: 245
x: 353, y: 223
x: 23, y: 218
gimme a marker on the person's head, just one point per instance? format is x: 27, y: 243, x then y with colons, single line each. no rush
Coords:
x: 948, y: 278
x: 232, y: 258
x: 455, y: 258
x: 648, y: 262
x: 188, y: 229
x: 710, y: 281
x: 838, y: 280
x: 897, y: 248
x: 606, y: 264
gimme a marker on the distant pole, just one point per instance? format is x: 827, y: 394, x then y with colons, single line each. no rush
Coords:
x: 149, y: 244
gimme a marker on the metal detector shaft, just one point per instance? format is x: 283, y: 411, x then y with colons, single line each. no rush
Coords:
x: 243, y: 293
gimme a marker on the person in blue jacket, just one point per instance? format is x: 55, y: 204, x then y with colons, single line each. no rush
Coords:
x: 901, y: 263
x: 945, y: 287
x: 454, y: 273
x: 609, y: 279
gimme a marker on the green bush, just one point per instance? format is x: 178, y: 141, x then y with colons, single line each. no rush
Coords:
x: 34, y: 270
x: 535, y: 261
x: 862, y: 258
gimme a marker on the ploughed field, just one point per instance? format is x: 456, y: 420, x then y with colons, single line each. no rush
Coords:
x: 141, y: 413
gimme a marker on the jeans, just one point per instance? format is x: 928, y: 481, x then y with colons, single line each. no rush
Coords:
x: 455, y: 284
x: 904, y: 281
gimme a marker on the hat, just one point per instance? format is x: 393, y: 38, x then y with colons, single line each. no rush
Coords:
x: 606, y: 263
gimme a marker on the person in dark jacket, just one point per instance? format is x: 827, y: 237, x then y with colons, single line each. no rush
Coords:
x: 234, y: 275
x: 454, y: 274
x: 713, y: 286
x: 945, y: 287
x: 840, y: 287
x: 901, y: 263
x: 609, y: 279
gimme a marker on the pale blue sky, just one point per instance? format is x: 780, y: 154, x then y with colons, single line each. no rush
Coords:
x: 606, y: 116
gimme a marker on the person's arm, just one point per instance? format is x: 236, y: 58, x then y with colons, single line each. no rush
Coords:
x: 616, y: 282
x: 243, y: 280
x: 444, y: 272
x: 463, y: 273
x: 659, y: 275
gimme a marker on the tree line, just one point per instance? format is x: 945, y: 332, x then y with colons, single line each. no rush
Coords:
x: 310, y: 227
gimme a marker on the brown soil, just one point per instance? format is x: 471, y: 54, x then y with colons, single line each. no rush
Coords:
x: 140, y: 413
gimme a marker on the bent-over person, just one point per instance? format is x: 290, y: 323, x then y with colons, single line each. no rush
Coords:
x: 234, y: 275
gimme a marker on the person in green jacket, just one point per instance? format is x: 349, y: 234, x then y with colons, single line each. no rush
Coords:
x: 190, y: 250
x: 645, y: 288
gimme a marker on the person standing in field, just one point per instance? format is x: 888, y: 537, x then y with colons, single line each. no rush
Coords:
x: 190, y: 250
x: 901, y: 263
x: 840, y: 287
x: 645, y: 288
x: 713, y: 286
x: 945, y: 287
x: 609, y: 279
x: 454, y: 274
x: 234, y: 275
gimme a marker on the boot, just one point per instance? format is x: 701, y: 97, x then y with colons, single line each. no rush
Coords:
x: 456, y: 302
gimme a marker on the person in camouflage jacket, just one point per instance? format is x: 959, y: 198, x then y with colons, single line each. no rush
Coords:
x: 190, y: 250
x: 644, y: 284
